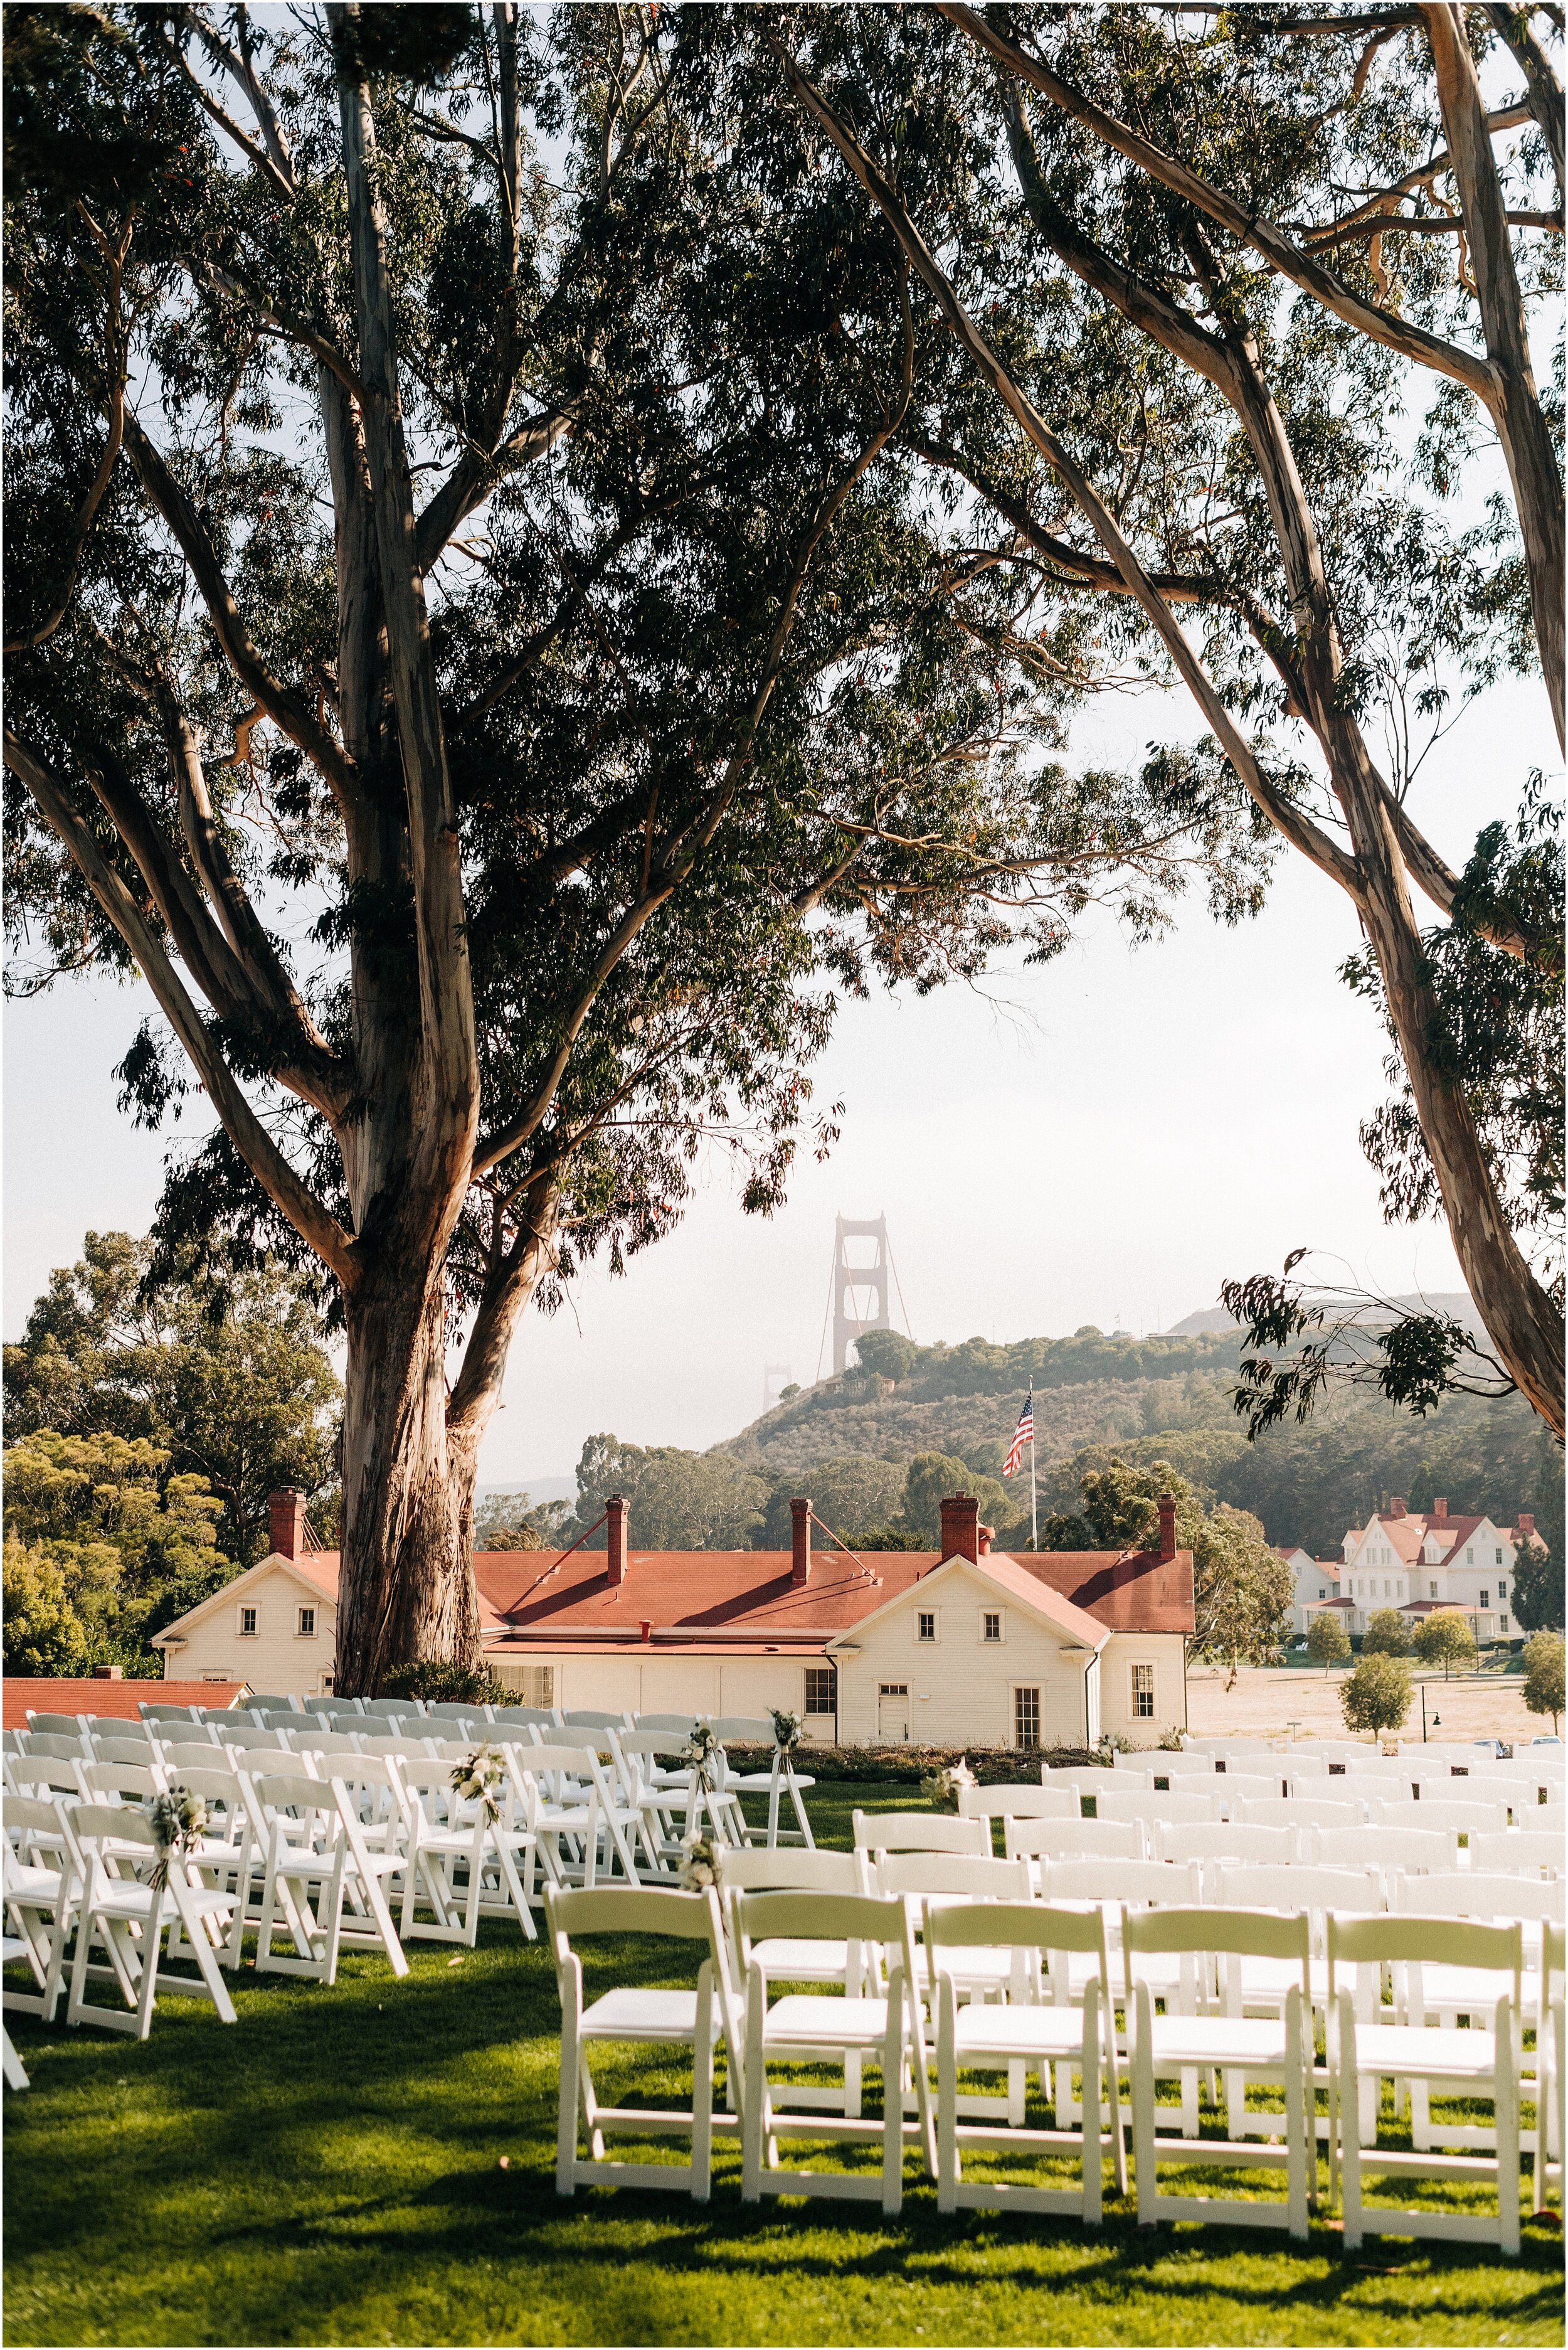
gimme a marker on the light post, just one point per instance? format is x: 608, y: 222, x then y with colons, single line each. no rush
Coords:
x: 1436, y: 1718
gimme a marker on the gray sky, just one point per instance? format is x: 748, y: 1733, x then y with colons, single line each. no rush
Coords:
x: 1101, y: 1141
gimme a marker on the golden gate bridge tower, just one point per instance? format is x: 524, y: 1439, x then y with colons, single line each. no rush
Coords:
x: 860, y: 1290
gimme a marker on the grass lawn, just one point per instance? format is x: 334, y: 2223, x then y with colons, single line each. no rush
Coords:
x: 330, y: 2170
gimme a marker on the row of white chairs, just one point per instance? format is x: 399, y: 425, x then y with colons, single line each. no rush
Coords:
x: 947, y: 1946
x: 1046, y: 1820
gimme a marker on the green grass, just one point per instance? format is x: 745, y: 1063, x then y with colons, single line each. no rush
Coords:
x: 331, y: 2172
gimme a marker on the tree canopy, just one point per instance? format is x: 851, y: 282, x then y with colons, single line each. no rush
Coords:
x: 482, y: 647
x: 228, y: 1375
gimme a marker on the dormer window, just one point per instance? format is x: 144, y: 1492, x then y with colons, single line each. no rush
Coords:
x: 1469, y: 1558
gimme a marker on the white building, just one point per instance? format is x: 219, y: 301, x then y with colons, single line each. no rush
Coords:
x: 960, y: 1647
x: 1315, y: 1580
x: 1417, y: 1564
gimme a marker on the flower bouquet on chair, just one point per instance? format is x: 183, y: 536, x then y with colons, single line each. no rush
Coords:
x: 476, y: 1780
x: 179, y: 1820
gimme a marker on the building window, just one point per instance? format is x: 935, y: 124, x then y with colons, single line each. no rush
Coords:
x: 822, y: 1689
x: 1387, y: 1588
x: 247, y: 1623
x: 928, y: 1626
x: 1499, y: 1558
x: 1469, y: 1558
x: 1486, y: 1599
x: 1323, y: 1591
x: 1502, y: 1591
x: 1502, y: 1623
x: 1432, y: 1589
x: 1026, y: 1718
x: 993, y: 1627
x: 1143, y: 1692
x: 307, y: 1623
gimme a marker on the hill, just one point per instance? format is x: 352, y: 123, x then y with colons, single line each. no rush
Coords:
x: 1165, y: 1398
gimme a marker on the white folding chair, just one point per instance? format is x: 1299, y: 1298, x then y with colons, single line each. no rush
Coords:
x: 1073, y: 1839
x: 1259, y: 1986
x: 1375, y: 2044
x: 1301, y: 1811
x: 632, y: 2015
x: 1226, y: 1841
x: 780, y: 1779
x: 1024, y: 1801
x: 1150, y: 1804
x: 471, y: 1861
x: 1551, y: 2047
x: 314, y: 1863
x: 1385, y: 1850
x: 10, y: 2063
x: 1464, y: 1819
x: 144, y: 1927
x: 1275, y: 2049
x: 920, y: 1832
x: 802, y: 2028
x: 922, y: 1879
x: 572, y: 1811
x: 1177, y: 1767
x: 1524, y: 1852
x: 759, y: 1868
x: 984, y: 2036
x: 43, y: 1878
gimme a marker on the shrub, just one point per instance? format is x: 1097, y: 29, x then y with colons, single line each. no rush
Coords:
x: 1543, y: 1675
x: 905, y: 1766
x: 1387, y: 1634
x: 1327, y: 1641
x: 440, y: 1684
x: 1444, y: 1640
x: 1376, y: 1695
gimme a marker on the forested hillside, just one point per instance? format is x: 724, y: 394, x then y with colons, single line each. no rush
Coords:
x: 1153, y: 1398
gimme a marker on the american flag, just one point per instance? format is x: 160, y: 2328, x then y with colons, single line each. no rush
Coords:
x: 1023, y: 1434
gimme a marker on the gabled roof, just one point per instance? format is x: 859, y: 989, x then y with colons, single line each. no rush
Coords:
x: 315, y: 1572
x: 1009, y: 1580
x: 1127, y: 1590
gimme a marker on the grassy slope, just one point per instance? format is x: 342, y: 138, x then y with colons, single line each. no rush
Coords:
x: 329, y: 2171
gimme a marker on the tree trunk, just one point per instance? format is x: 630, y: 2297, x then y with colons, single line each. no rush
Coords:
x: 406, y: 1591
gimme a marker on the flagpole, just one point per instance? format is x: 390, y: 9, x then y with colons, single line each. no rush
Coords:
x: 1033, y: 1495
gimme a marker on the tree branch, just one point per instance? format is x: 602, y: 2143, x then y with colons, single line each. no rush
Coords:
x: 1546, y: 90
x: 1296, y: 826
x: 314, y: 1222
x: 1265, y: 236
x: 287, y: 711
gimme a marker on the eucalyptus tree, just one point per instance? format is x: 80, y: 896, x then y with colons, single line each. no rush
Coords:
x: 1174, y: 404
x: 480, y: 648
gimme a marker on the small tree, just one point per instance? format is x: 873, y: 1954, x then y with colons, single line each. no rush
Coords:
x: 1444, y: 1640
x: 1376, y: 1697
x: 1543, y: 1675
x: 1387, y: 1634
x: 1538, y: 1589
x: 1328, y: 1643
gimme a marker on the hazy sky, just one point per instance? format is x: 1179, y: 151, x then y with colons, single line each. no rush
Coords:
x: 1101, y: 1141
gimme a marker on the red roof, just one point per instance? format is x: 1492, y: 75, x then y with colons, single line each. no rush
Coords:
x: 123, y: 1701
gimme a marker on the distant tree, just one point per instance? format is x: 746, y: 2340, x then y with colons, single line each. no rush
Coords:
x: 887, y: 1353
x: 1444, y: 1640
x: 852, y: 1496
x: 1242, y: 1587
x: 133, y: 1546
x: 43, y: 1635
x: 679, y: 1499
x: 225, y: 1369
x: 1387, y: 1634
x: 1538, y: 1590
x: 1543, y: 1675
x: 931, y: 1477
x: 890, y: 1538
x: 1328, y: 1642
x: 1376, y: 1695
x: 512, y: 1522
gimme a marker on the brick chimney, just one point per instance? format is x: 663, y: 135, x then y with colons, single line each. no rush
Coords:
x: 285, y: 1514
x: 1525, y: 1529
x: 109, y: 1672
x: 1396, y: 1508
x: 800, y: 1539
x: 615, y: 1509
x: 1167, y: 1525
x: 987, y: 1536
x: 1440, y: 1509
x: 961, y: 1526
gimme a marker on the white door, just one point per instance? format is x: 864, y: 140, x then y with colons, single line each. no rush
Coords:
x: 893, y: 1714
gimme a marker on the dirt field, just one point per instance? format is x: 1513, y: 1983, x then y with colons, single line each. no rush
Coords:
x: 1263, y: 1703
